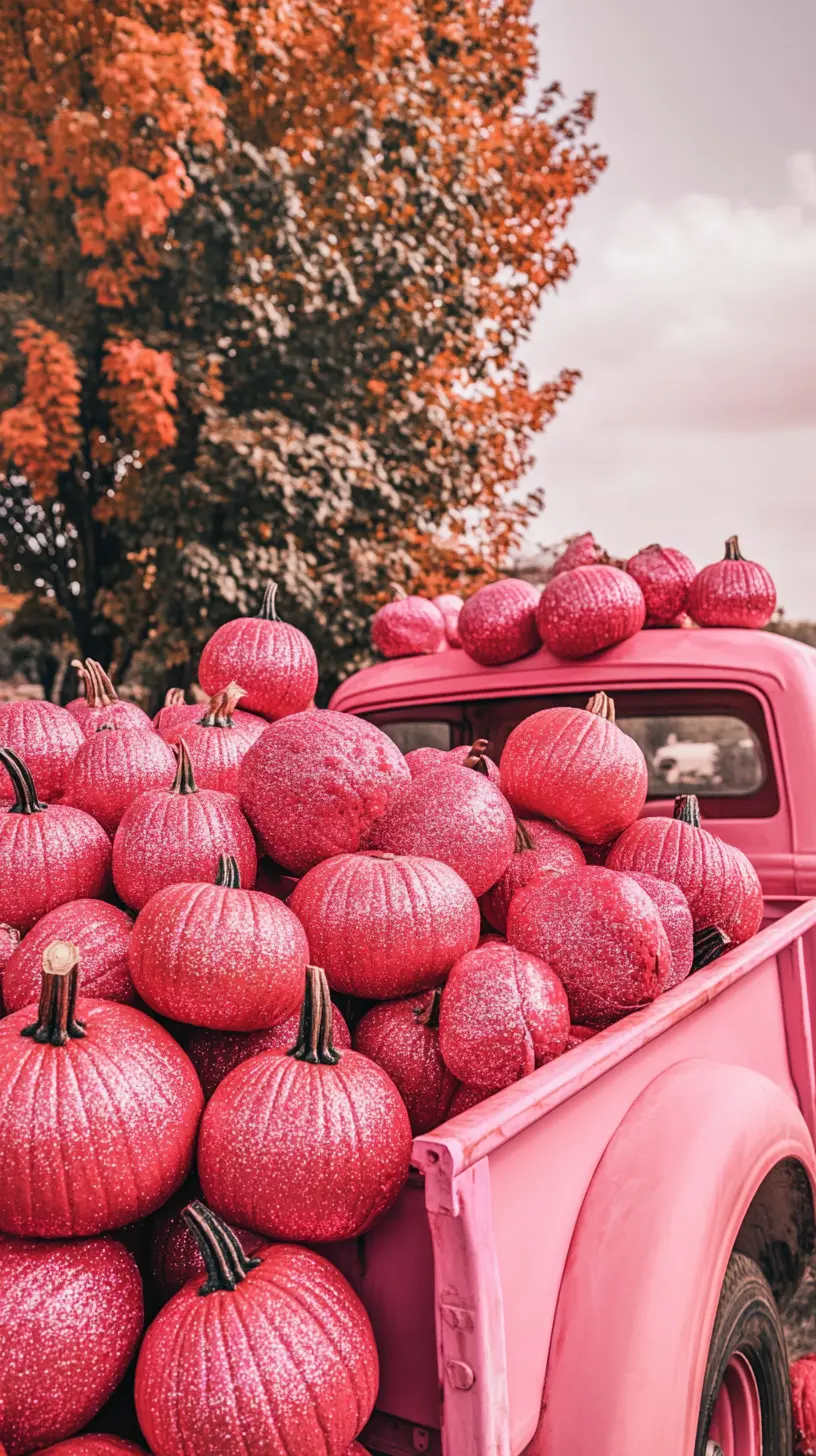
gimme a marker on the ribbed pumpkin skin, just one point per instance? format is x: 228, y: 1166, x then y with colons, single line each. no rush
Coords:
x: 326, y: 1167
x: 313, y: 785
x: 174, y: 1254
x: 673, y: 909
x: 172, y: 839
x: 553, y: 852
x: 213, y: 956
x: 172, y: 722
x: 467, y: 1096
x: 274, y: 663
x: 217, y: 755
x: 385, y: 926
x: 455, y: 815
x: 421, y: 760
x: 732, y: 593
x: 409, y: 627
x: 97, y: 1133
x: 590, y: 608
x: 498, y: 623
x: 583, y: 551
x: 94, y: 1446
x: 112, y: 768
x: 119, y: 714
x: 664, y: 576
x: 450, y: 606
x: 577, y: 768
x: 61, y: 1353
x: 502, y: 1014
x: 215, y: 1054
x: 393, y: 1036
x: 746, y: 919
x: 47, y: 739
x: 602, y: 936
x: 45, y: 859
x: 308, y: 1385
x: 101, y: 934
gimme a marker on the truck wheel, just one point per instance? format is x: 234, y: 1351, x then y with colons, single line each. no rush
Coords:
x: 746, y: 1409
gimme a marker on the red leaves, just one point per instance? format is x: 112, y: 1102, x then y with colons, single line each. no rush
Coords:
x: 41, y: 433
x: 141, y: 391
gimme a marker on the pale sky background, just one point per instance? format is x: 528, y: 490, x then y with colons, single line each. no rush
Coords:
x: 692, y: 313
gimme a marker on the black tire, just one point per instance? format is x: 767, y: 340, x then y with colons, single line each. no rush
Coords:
x: 748, y: 1321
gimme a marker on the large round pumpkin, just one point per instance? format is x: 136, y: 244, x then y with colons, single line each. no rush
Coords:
x: 503, y: 1013
x: 732, y: 592
x: 385, y: 925
x: 215, y: 1054
x: 45, y: 737
x: 274, y: 663
x: 408, y: 627
x: 99, y: 1108
x: 498, y: 623
x: 218, y: 744
x: 272, y: 1353
x: 101, y: 934
x: 402, y: 1037
x: 575, y: 766
x: 177, y: 835
x: 673, y: 909
x: 112, y: 768
x: 335, y: 1155
x: 48, y: 853
x: 590, y: 608
x: 218, y: 956
x: 102, y: 704
x: 664, y: 576
x: 70, y: 1319
x: 313, y: 785
x: 541, y: 850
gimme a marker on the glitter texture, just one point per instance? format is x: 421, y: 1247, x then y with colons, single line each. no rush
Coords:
x: 274, y: 663
x: 467, y: 1096
x: 583, y: 551
x: 421, y: 760
x: 313, y: 785
x: 217, y: 754
x: 61, y: 1353
x: 48, y: 857
x: 174, y: 1253
x: 450, y: 606
x: 167, y: 838
x: 498, y: 623
x: 402, y: 1038
x: 553, y: 852
x: 577, y: 768
x: 101, y: 704
x: 409, y: 627
x: 46, y: 737
x: 502, y: 1014
x: 101, y: 934
x: 673, y: 909
x: 601, y: 934
x: 97, y: 1133
x: 94, y: 1446
x: 218, y: 957
x: 664, y: 576
x: 383, y: 926
x: 112, y: 768
x: 285, y: 1362
x: 589, y: 608
x: 457, y: 816
x: 214, y: 1054
x: 172, y: 722
x: 733, y: 592
x: 578, y: 1035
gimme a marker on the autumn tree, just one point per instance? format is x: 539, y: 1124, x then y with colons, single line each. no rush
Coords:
x: 265, y: 273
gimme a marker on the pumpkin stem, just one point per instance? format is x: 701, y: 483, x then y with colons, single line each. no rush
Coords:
x: 225, y: 1261
x: 709, y: 945
x: 228, y: 874
x: 268, y: 604
x: 174, y: 698
x: 25, y: 794
x: 221, y: 707
x: 603, y: 706
x: 314, y: 1043
x: 687, y: 809
x: 476, y: 757
x: 99, y: 690
x: 428, y: 1015
x: 523, y: 840
x: 56, y: 1019
x: 398, y: 592
x: 184, y: 782
x: 732, y: 551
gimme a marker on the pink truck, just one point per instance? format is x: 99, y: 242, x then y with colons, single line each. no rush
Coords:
x: 595, y: 1261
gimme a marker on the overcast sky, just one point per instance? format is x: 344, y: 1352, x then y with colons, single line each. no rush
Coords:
x: 692, y: 313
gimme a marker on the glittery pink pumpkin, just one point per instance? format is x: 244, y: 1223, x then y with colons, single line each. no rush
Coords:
x: 46, y: 738
x: 176, y: 836
x: 99, y: 1108
x: 49, y: 853
x: 664, y: 576
x: 385, y: 925
x: 673, y: 909
x: 218, y: 956
x: 720, y: 884
x: 732, y: 592
x: 602, y: 936
x: 61, y: 1353
x: 402, y: 1037
x: 467, y: 1096
x: 578, y: 1035
x: 408, y: 627
x: 102, y: 704
x: 218, y: 744
x: 450, y: 606
x: 590, y: 608
x: 503, y: 1013
x: 112, y: 768
x: 9, y: 941
x: 215, y: 1054
x: 803, y: 1399
x: 94, y: 1446
x: 310, y: 1384
x: 176, y: 717
x: 101, y: 934
x: 574, y: 765
x: 313, y: 785
x: 455, y: 815
x: 583, y: 551
x: 541, y: 850
x: 274, y: 663
x: 175, y: 1255
x: 421, y: 760
x: 498, y: 623
x: 335, y: 1155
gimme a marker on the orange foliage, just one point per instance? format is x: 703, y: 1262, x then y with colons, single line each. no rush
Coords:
x: 41, y: 433
x: 141, y: 391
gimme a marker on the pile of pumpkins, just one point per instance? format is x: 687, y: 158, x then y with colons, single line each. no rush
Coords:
x: 588, y: 604
x: 180, y: 899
